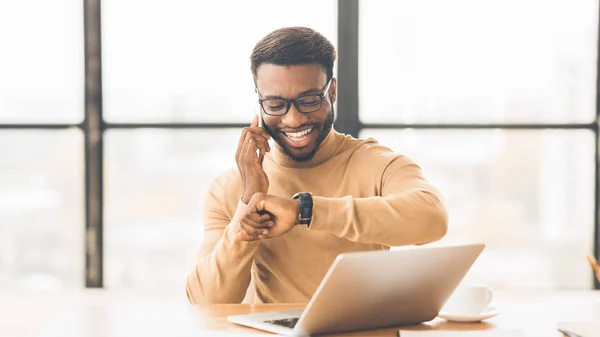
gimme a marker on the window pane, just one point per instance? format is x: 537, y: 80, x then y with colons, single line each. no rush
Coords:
x: 41, y: 63
x: 194, y: 65
x: 470, y: 61
x: 41, y: 210
x: 155, y: 186
x: 528, y: 195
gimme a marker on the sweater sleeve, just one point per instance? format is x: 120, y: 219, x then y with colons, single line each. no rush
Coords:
x: 222, y: 270
x: 407, y: 211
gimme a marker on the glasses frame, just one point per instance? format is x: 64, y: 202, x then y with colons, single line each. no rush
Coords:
x: 288, y: 102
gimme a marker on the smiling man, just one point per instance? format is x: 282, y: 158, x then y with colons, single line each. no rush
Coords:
x: 293, y: 205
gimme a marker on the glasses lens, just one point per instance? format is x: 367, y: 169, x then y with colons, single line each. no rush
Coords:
x: 274, y: 106
x: 309, y: 103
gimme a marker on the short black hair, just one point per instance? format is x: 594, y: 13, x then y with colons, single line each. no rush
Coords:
x: 293, y: 46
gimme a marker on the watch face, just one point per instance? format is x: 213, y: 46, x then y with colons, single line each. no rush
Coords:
x: 305, y: 207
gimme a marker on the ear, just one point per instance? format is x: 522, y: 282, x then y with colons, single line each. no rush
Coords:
x: 333, y: 90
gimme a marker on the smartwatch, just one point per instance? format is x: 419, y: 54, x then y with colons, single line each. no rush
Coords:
x: 305, y: 206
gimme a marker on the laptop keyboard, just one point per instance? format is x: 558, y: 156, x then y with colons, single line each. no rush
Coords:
x: 287, y: 322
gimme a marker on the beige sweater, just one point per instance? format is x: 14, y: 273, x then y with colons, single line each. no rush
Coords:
x: 365, y: 198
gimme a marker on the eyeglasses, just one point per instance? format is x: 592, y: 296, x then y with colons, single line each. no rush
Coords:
x: 305, y: 104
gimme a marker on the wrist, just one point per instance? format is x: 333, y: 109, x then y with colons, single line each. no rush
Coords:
x: 248, y: 193
x: 246, y: 197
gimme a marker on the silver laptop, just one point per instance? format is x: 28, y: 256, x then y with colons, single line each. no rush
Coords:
x: 376, y: 289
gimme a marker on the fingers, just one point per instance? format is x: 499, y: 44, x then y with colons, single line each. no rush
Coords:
x: 241, y: 143
x: 255, y: 129
x: 256, y: 132
x: 256, y: 228
x: 262, y: 223
x: 255, y: 224
x: 258, y: 204
x: 258, y: 139
x: 260, y: 219
x: 255, y: 139
x: 254, y: 142
x: 253, y: 231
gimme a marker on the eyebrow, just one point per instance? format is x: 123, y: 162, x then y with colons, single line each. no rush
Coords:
x: 305, y: 92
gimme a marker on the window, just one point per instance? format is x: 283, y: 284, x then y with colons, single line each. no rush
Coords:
x: 41, y: 171
x: 41, y: 210
x: 470, y: 61
x: 191, y: 60
x: 156, y: 181
x: 495, y: 101
x: 193, y: 67
x: 527, y: 194
x: 460, y: 72
x: 42, y: 61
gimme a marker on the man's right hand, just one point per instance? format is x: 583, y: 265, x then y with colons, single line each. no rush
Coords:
x: 249, y: 163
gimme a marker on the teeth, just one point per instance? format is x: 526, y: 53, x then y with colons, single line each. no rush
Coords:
x: 298, y: 134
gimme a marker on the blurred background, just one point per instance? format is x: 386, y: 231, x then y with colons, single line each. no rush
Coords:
x: 496, y: 100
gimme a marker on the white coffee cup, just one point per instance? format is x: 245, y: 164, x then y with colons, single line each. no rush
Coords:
x: 469, y: 300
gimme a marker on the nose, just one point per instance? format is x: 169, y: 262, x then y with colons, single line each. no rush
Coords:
x: 294, y: 118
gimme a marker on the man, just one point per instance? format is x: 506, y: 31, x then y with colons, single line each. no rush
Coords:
x: 261, y: 221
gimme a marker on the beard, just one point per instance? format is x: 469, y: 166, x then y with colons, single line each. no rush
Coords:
x: 327, y: 126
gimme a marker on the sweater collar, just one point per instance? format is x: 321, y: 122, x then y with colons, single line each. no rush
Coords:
x: 326, y: 150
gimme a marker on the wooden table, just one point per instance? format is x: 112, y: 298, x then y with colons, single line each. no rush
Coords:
x: 104, y: 313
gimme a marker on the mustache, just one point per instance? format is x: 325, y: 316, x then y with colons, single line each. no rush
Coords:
x: 303, y: 126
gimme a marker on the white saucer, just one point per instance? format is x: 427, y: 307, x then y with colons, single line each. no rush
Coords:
x: 488, y: 312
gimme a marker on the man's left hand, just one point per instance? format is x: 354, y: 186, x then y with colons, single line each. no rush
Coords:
x: 267, y: 216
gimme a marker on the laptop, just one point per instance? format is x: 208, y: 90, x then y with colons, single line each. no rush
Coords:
x: 375, y: 289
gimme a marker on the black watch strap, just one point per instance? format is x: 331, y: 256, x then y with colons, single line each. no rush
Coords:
x: 305, y: 206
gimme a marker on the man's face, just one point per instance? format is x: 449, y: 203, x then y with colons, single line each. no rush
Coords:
x: 298, y: 133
